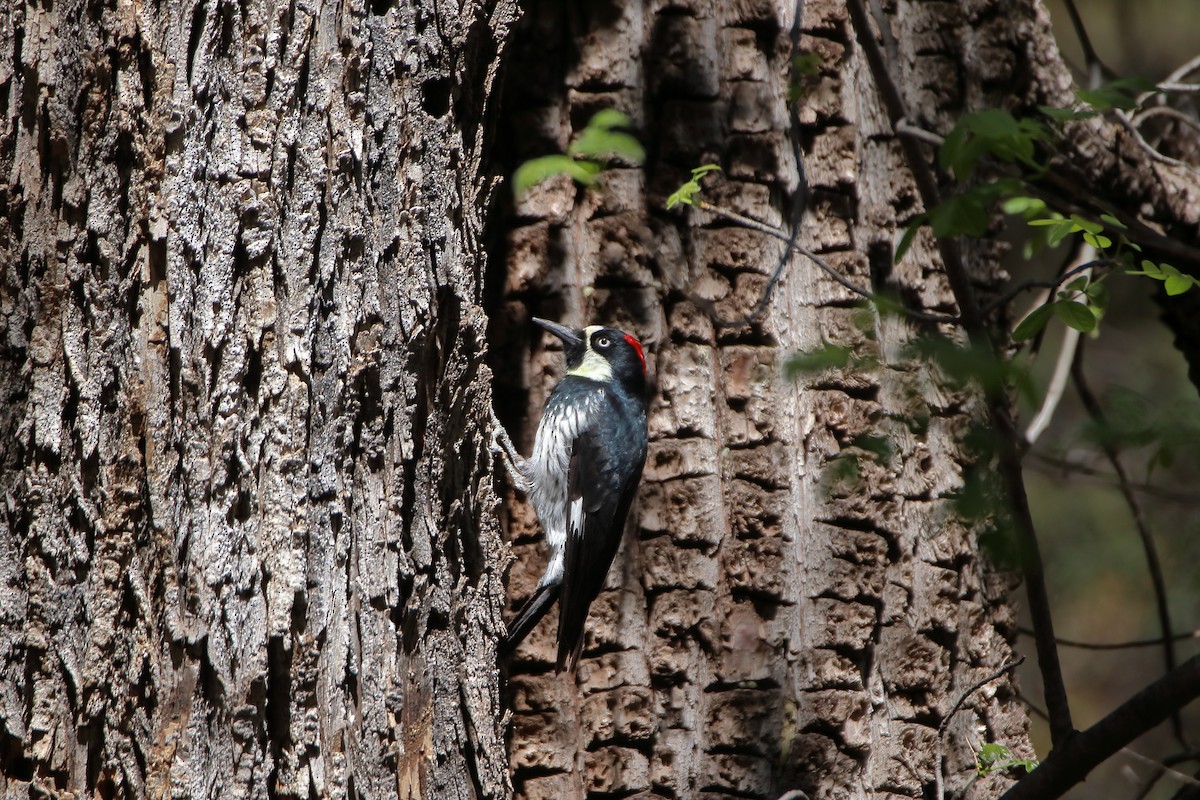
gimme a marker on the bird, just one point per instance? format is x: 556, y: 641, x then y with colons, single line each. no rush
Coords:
x: 581, y: 479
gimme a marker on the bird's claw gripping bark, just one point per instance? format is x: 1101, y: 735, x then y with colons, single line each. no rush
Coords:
x: 502, y: 446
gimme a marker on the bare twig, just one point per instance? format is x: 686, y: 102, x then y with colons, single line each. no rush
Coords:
x: 1025, y: 286
x: 1155, y: 642
x: 1095, y: 68
x: 1070, y: 762
x: 771, y: 230
x: 945, y: 723
x: 1092, y: 405
x: 1060, y: 465
x: 1066, y: 357
x: 1160, y: 767
x: 1187, y: 68
x: 1179, y: 88
x: 974, y: 324
x: 1165, y: 111
x: 906, y: 128
x: 1150, y: 150
x: 1169, y: 761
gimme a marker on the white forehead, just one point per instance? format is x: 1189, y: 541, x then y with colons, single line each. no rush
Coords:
x: 590, y: 329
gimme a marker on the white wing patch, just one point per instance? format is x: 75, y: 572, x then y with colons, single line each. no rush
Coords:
x: 560, y: 426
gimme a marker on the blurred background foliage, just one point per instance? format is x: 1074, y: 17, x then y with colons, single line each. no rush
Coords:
x: 1095, y: 562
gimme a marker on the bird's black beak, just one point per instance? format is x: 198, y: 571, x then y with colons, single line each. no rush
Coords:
x: 570, y: 338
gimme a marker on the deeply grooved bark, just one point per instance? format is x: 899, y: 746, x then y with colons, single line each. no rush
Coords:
x: 757, y: 561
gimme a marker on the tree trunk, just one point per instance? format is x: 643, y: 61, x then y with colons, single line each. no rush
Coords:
x: 249, y: 544
x: 793, y: 609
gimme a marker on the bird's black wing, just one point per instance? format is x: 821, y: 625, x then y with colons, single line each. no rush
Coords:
x: 530, y: 615
x: 602, y: 478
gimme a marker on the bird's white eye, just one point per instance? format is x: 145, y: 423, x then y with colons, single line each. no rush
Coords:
x: 603, y: 341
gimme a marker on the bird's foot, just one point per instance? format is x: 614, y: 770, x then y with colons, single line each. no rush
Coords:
x: 502, y: 446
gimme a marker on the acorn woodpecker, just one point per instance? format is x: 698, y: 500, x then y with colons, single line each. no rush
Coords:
x: 586, y: 464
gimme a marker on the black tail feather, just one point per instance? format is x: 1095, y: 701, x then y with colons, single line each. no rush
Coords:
x: 530, y: 615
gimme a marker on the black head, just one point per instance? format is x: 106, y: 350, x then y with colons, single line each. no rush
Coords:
x: 602, y: 354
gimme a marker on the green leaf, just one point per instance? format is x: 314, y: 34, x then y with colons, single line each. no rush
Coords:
x: 960, y: 215
x: 879, y: 446
x: 1178, y: 284
x: 806, y: 64
x: 910, y: 234
x: 1098, y: 241
x: 1033, y: 323
x: 997, y: 758
x: 951, y: 155
x: 1114, y: 222
x: 1077, y: 285
x: 1098, y: 297
x: 601, y: 141
x: 1023, y: 205
x: 1075, y: 315
x: 1121, y: 93
x: 1066, y: 114
x: 830, y: 356
x: 605, y: 145
x: 536, y: 170
x: 993, y: 132
x: 1059, y: 232
x: 991, y: 753
x: 686, y: 193
x: 1151, y: 269
x: 1085, y: 224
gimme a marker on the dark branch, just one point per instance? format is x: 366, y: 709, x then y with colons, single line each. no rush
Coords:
x: 1071, y: 761
x: 782, y: 236
x: 1153, y: 566
x: 1063, y: 466
x: 1095, y: 67
x: 1155, y: 642
x: 945, y: 723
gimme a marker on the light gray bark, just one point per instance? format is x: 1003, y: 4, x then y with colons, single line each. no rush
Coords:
x: 249, y: 543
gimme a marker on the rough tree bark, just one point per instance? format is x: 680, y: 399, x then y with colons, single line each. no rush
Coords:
x: 769, y: 626
x: 249, y: 543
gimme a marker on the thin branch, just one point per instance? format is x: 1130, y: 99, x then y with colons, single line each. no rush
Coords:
x: 1095, y: 68
x: 1106, y: 478
x: 771, y: 230
x: 1069, y: 193
x: 1092, y: 405
x: 1179, y: 88
x: 1188, y: 67
x: 945, y: 723
x: 1025, y: 286
x: 1160, y: 767
x: 1066, y: 357
x: 906, y: 128
x: 1070, y: 762
x: 1130, y: 645
x: 1130, y: 125
x: 1165, y: 111
x: 974, y: 324
x: 1033, y: 707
